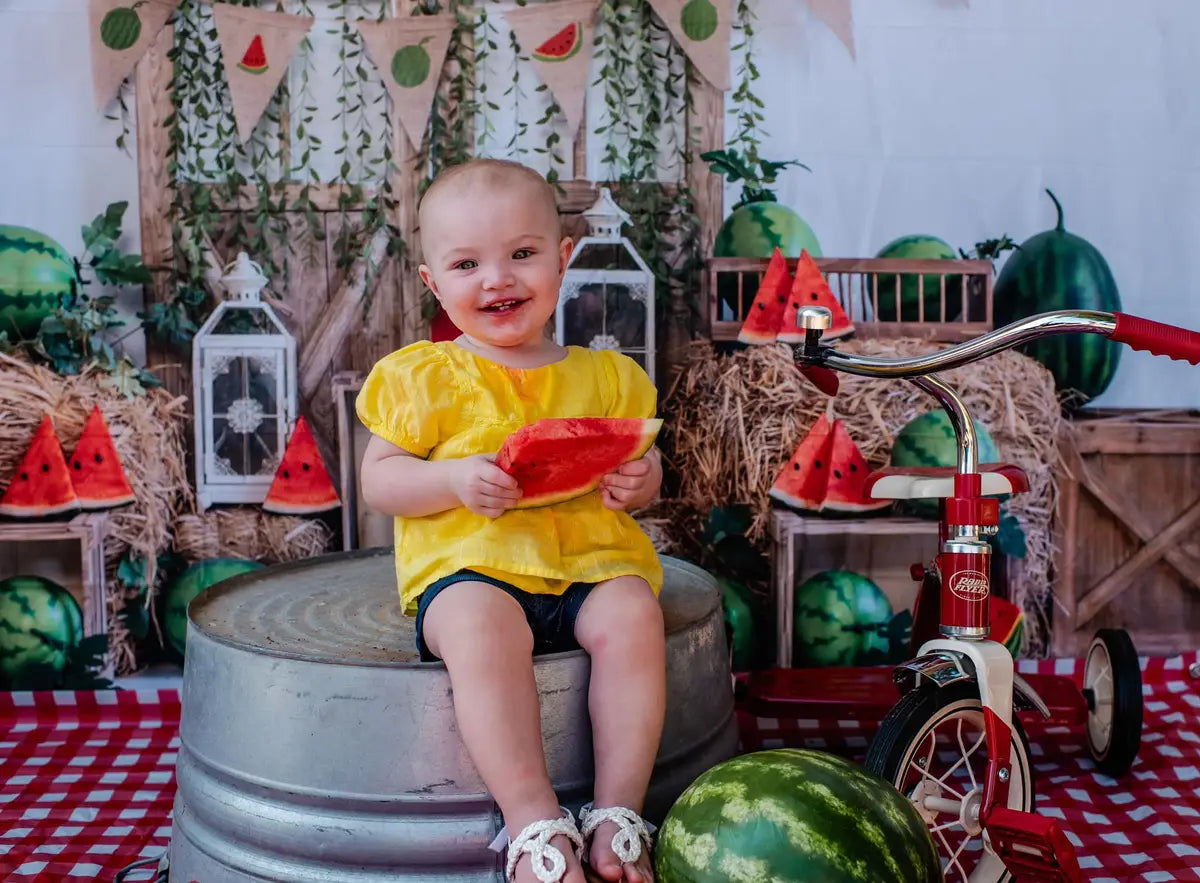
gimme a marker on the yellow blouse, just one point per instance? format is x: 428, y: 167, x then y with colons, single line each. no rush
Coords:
x: 439, y: 401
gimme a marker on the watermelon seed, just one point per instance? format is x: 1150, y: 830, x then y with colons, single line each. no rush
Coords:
x: 817, y: 464
x: 796, y: 467
x: 285, y: 474
x: 306, y: 467
x: 45, y: 467
x: 854, y: 467
x: 99, y: 457
x: 762, y: 306
x: 24, y: 476
x: 837, y: 473
x: 78, y: 465
x: 813, y: 295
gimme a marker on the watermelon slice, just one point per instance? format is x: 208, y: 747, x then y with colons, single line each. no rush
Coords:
x: 563, y: 45
x: 255, y: 59
x: 809, y: 288
x: 560, y: 458
x: 766, y: 312
x: 302, y: 484
x: 96, y: 472
x: 442, y: 327
x: 1006, y: 623
x: 42, y: 483
x: 848, y: 473
x: 802, y: 482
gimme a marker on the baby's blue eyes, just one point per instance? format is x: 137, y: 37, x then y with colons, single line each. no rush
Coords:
x: 465, y: 265
x: 520, y: 254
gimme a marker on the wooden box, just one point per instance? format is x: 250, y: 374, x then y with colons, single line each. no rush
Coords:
x: 1127, y: 531
x: 882, y: 549
x: 361, y: 527
x: 855, y: 282
x: 71, y: 553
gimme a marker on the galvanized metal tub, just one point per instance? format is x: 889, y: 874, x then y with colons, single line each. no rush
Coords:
x: 316, y: 748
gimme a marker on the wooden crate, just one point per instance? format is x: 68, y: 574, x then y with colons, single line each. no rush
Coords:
x: 733, y: 282
x: 1127, y: 532
x: 361, y: 527
x: 48, y: 549
x: 882, y: 549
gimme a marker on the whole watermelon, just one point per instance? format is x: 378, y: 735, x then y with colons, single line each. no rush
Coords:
x: 191, y: 583
x: 793, y: 814
x: 840, y: 618
x: 36, y: 276
x: 40, y: 623
x: 921, y: 247
x: 929, y: 440
x: 1057, y: 270
x: 755, y: 229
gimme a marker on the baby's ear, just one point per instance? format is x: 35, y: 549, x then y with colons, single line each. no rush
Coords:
x: 565, y: 249
x: 427, y: 277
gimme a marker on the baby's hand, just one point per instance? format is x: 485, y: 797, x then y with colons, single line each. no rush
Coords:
x: 483, y: 487
x: 633, y: 484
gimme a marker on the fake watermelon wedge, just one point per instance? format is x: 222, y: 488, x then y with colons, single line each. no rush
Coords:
x: 809, y: 288
x: 560, y: 458
x: 848, y: 471
x: 827, y: 472
x: 42, y: 483
x: 255, y: 59
x: 560, y: 46
x: 1006, y: 623
x: 302, y: 484
x: 766, y: 312
x: 96, y: 472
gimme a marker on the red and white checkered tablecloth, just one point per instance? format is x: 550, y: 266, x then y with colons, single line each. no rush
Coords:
x: 87, y: 780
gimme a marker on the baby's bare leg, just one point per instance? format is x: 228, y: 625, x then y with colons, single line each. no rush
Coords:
x: 620, y: 625
x: 482, y: 635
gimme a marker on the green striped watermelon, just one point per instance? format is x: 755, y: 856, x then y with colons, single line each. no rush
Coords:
x: 191, y: 583
x: 791, y: 814
x: 756, y: 229
x: 36, y: 276
x: 929, y: 440
x: 40, y: 623
x: 923, y: 248
x: 841, y: 618
x: 1057, y: 270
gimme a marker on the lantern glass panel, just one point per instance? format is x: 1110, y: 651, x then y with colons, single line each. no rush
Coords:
x: 246, y: 413
x: 604, y: 256
x: 603, y: 309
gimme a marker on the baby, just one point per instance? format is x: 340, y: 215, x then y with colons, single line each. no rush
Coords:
x: 492, y: 585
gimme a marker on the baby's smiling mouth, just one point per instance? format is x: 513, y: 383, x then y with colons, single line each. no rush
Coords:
x: 503, y: 306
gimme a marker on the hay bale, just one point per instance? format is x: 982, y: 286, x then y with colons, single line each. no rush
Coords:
x: 148, y: 432
x: 250, y: 533
x: 734, y: 420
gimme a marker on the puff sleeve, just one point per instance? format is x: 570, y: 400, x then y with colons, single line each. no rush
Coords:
x: 410, y: 398
x: 629, y: 390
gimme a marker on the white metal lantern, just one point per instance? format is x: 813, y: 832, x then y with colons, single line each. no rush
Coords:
x: 244, y: 385
x: 607, y: 295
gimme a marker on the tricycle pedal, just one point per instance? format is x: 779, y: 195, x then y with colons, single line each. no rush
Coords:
x: 1032, y: 847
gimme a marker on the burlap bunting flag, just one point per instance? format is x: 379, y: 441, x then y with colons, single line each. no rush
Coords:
x: 256, y: 46
x: 702, y: 28
x: 838, y: 17
x: 409, y: 53
x: 557, y: 37
x: 121, y: 31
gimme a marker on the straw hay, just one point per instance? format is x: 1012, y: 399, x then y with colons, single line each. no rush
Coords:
x: 734, y: 420
x: 250, y: 533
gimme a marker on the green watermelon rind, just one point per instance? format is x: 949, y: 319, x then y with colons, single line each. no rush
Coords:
x: 120, y: 28
x: 186, y: 587
x: 16, y: 593
x: 928, y: 440
x: 29, y: 256
x: 542, y: 54
x: 755, y: 229
x: 825, y: 604
x: 1057, y: 270
x: 923, y: 247
x: 793, y: 814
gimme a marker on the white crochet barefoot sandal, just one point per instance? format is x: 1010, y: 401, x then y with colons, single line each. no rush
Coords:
x: 632, y: 829
x: 548, y: 862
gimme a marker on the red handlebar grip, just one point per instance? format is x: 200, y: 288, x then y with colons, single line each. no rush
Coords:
x: 1157, y: 337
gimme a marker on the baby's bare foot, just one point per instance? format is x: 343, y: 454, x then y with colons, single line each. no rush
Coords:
x: 525, y: 870
x: 606, y: 863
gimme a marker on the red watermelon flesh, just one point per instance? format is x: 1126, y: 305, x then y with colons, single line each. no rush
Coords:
x: 809, y: 288
x: 42, y: 484
x: 96, y: 472
x: 802, y: 482
x: 302, y: 484
x: 255, y: 59
x: 442, y: 327
x: 557, y: 459
x: 766, y: 312
x: 1006, y: 623
x: 561, y: 45
x: 848, y: 473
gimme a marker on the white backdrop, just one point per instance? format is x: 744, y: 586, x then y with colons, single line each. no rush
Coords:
x: 951, y: 121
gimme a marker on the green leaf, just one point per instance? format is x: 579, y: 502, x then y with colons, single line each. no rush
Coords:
x: 1010, y: 536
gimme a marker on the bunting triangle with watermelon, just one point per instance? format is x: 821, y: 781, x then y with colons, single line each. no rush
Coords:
x: 809, y: 289
x: 95, y: 467
x: 766, y: 312
x: 302, y: 485
x: 826, y: 473
x: 41, y: 484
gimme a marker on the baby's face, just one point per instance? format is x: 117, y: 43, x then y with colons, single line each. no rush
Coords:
x: 494, y: 258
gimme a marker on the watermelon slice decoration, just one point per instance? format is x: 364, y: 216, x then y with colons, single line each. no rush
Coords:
x: 563, y: 45
x: 1006, y: 624
x: 809, y: 289
x: 96, y: 472
x: 302, y: 484
x: 42, y: 483
x: 560, y: 458
x: 255, y: 59
x: 827, y: 473
x: 766, y: 312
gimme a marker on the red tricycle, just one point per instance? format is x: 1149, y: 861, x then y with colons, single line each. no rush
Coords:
x: 950, y: 735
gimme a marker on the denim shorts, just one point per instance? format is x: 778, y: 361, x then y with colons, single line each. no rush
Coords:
x: 551, y: 618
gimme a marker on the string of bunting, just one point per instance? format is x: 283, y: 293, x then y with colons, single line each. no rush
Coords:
x: 257, y: 46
